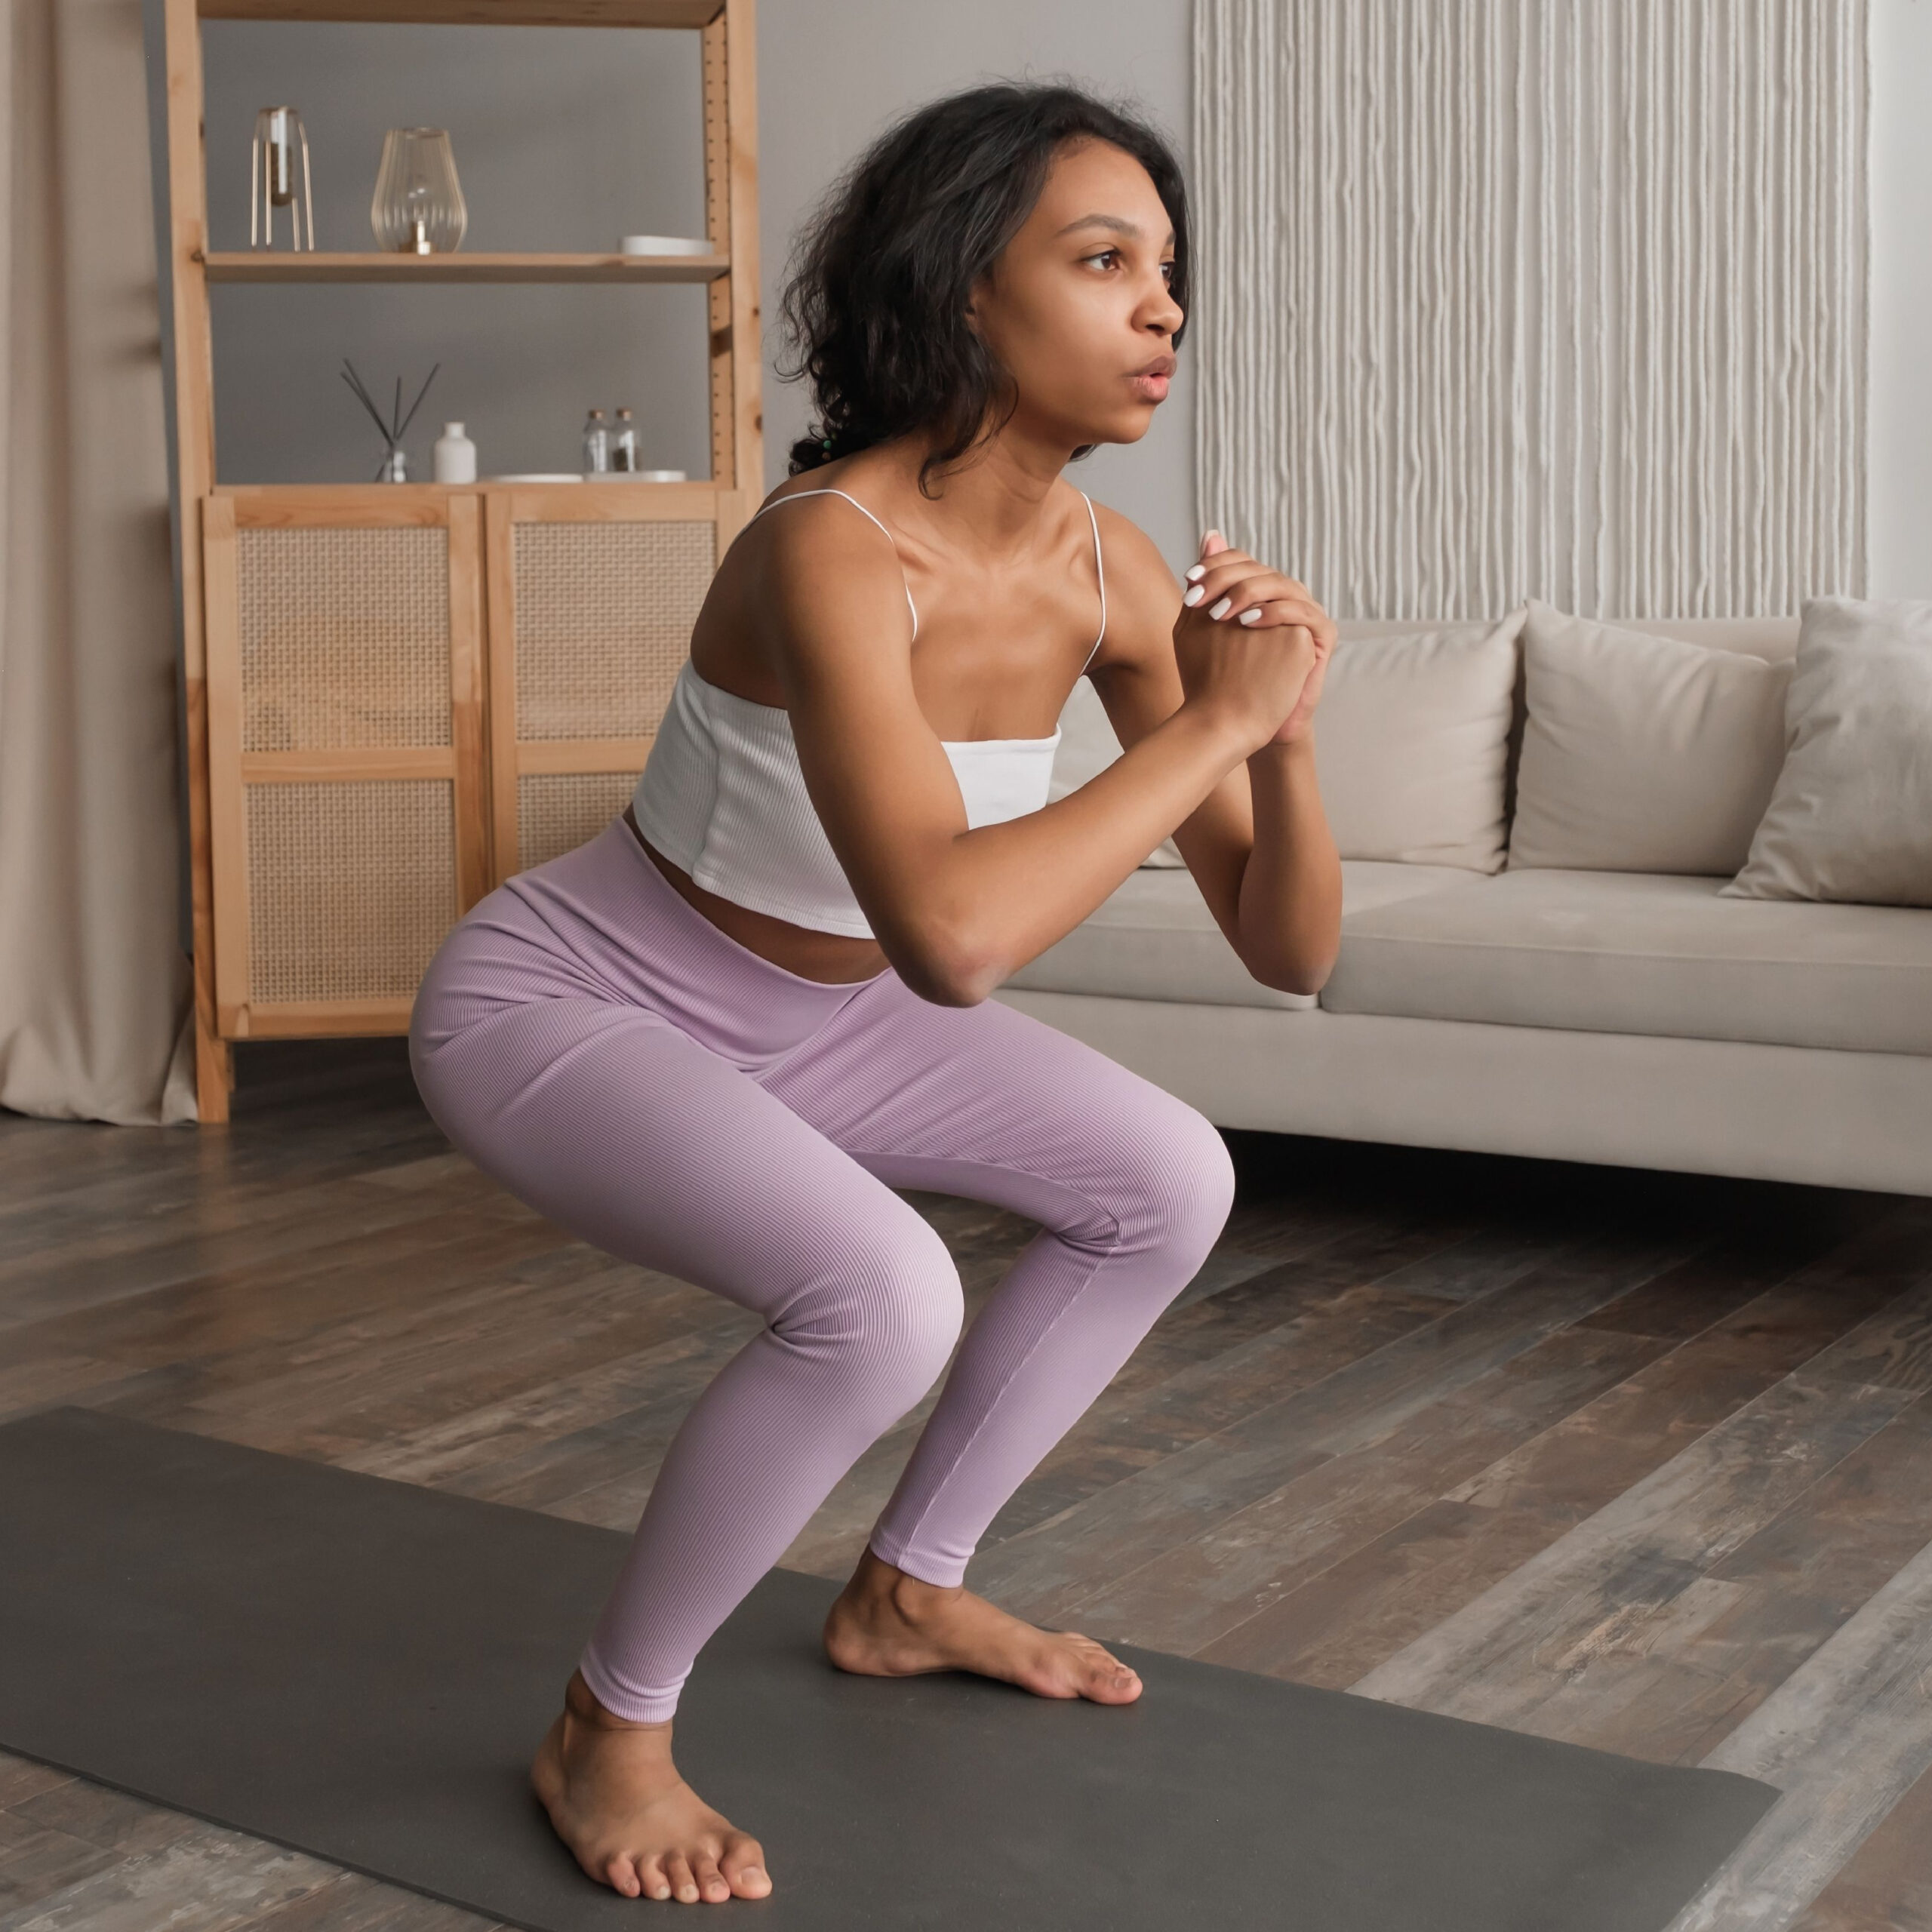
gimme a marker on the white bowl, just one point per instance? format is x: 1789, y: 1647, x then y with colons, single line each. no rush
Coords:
x: 664, y: 245
x: 536, y: 476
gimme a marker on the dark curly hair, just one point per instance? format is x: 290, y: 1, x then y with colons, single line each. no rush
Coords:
x: 874, y: 304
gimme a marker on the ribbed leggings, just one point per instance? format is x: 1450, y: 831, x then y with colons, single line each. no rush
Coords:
x: 590, y: 1040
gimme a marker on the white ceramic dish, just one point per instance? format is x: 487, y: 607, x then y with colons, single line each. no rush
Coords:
x: 664, y: 245
x: 536, y: 476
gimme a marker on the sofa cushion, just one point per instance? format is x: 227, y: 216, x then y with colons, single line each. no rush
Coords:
x: 1642, y: 753
x: 1154, y: 938
x: 1410, y: 742
x: 1851, y: 817
x: 1640, y: 952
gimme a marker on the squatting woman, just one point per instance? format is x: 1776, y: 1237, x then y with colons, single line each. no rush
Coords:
x: 716, y: 1038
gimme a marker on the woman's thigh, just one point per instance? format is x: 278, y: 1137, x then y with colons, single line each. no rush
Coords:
x: 990, y: 1102
x: 629, y: 1133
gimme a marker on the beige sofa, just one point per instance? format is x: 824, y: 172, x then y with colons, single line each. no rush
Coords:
x: 1595, y: 1012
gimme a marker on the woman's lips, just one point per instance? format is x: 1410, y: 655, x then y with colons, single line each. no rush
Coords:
x: 1150, y: 388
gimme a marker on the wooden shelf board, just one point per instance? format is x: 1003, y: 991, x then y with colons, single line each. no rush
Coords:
x: 474, y: 13
x: 259, y: 265
x: 272, y: 506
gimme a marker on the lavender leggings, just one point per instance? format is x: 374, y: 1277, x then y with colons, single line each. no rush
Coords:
x: 590, y: 1039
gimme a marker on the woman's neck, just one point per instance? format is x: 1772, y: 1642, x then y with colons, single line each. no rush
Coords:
x: 994, y: 505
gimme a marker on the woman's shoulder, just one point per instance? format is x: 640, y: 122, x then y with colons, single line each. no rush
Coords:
x: 1128, y: 547
x: 817, y: 563
x: 1143, y: 595
x: 840, y: 511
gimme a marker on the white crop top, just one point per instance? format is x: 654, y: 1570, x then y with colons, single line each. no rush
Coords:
x: 722, y: 796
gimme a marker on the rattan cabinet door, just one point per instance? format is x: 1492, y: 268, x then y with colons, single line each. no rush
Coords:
x: 593, y: 594
x: 346, y: 750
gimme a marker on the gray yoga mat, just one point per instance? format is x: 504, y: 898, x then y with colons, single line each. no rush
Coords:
x: 360, y: 1669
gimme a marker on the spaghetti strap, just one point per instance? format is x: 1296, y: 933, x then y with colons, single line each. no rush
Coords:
x: 827, y: 490
x: 1100, y: 567
x: 1099, y: 570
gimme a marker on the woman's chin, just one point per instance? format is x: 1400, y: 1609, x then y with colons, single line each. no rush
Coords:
x: 1127, y: 426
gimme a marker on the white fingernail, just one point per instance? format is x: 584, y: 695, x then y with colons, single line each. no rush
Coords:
x: 1220, y: 610
x: 1193, y: 596
x: 1198, y: 570
x: 1250, y: 617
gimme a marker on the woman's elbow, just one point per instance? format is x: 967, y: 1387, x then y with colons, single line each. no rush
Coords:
x: 1305, y: 978
x: 942, y: 966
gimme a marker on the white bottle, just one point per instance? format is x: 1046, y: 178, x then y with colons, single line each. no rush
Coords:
x: 456, y: 456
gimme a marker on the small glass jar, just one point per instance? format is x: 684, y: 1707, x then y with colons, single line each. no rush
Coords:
x: 596, y: 444
x: 623, y: 442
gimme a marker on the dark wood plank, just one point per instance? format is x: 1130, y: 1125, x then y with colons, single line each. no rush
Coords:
x: 1636, y: 1458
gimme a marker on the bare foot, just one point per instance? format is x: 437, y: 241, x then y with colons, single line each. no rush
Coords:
x: 887, y: 1624
x: 617, y: 1801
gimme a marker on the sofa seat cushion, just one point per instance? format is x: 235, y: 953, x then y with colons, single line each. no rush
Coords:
x: 1154, y: 938
x: 1644, y: 952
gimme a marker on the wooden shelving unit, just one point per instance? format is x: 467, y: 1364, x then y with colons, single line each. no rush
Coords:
x: 398, y: 695
x: 260, y: 265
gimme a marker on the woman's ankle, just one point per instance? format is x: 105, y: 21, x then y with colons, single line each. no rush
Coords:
x: 582, y: 1702
x: 879, y: 1578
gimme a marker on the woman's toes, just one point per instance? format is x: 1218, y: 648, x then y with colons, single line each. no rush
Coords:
x: 711, y: 1882
x: 684, y: 1883
x: 651, y: 1875
x: 745, y: 1874
x: 622, y: 1876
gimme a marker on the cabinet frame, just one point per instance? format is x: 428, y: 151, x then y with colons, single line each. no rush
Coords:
x: 211, y: 514
x: 231, y: 769
x: 511, y: 755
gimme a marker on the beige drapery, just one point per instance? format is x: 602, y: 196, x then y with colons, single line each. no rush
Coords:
x: 93, y: 985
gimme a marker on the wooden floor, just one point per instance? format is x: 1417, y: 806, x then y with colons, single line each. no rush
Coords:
x: 1641, y: 1461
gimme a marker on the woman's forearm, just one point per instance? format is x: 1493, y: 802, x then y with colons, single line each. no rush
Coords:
x: 1291, y: 888
x: 1006, y: 892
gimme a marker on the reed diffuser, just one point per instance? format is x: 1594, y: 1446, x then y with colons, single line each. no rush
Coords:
x: 395, y: 466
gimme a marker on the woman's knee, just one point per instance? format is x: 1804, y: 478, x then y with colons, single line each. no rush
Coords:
x: 1176, y: 1192
x: 883, y: 1308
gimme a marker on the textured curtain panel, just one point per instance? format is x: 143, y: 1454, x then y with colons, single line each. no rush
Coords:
x: 1566, y: 299
x: 93, y: 988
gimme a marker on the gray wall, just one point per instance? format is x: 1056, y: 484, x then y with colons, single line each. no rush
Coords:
x: 568, y: 138
x: 1900, y: 460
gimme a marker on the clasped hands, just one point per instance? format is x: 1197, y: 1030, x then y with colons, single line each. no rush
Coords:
x: 1228, y: 589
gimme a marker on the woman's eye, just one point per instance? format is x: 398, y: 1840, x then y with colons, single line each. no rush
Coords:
x: 1112, y: 257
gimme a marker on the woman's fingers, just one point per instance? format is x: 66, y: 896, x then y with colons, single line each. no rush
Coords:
x: 1278, y: 612
x: 1250, y: 585
x: 1268, y: 613
x: 1238, y: 589
x: 1212, y: 575
x: 1269, y: 592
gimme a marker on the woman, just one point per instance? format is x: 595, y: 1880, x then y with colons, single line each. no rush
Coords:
x: 716, y: 1038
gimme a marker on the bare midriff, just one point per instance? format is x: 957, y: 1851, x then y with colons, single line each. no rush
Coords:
x: 832, y: 957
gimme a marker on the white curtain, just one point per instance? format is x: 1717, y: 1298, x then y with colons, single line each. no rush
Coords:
x: 1566, y: 299
x: 94, y: 984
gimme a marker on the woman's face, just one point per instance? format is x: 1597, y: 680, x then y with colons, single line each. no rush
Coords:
x: 1077, y: 307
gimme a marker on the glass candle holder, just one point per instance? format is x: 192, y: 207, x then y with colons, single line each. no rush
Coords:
x: 418, y: 208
